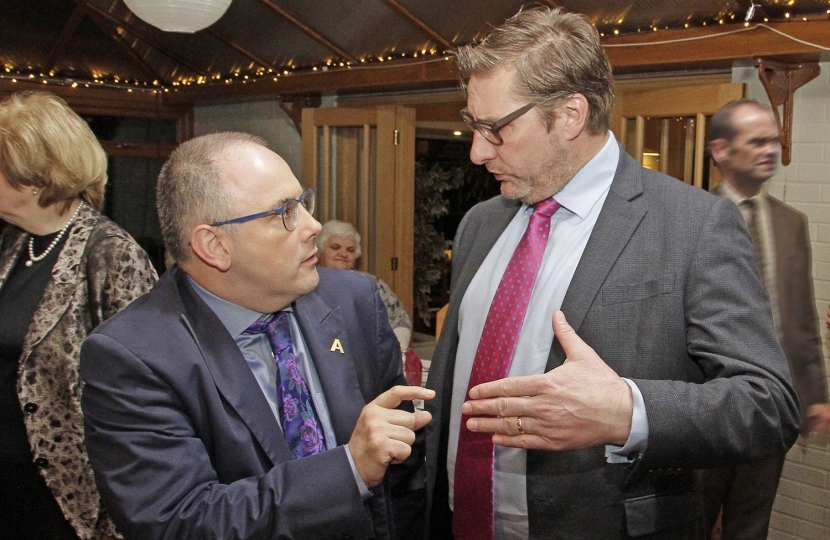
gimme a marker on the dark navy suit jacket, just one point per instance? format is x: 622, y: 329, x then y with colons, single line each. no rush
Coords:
x: 183, y: 442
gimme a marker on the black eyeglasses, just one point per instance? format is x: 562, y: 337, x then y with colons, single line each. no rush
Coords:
x: 290, y: 212
x: 490, y: 130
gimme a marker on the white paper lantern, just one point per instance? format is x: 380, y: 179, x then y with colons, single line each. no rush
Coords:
x: 186, y: 16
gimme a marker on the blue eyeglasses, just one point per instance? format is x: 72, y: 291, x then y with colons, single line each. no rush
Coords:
x: 290, y: 212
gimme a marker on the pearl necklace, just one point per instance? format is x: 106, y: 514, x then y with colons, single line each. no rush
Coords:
x: 32, y: 258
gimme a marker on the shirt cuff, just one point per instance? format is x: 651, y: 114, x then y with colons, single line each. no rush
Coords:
x: 638, y: 438
x: 365, y: 494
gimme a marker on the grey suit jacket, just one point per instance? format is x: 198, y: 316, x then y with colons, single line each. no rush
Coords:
x: 183, y: 443
x: 799, y: 325
x: 667, y: 292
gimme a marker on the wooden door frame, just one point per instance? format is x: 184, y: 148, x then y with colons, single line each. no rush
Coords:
x: 392, y: 240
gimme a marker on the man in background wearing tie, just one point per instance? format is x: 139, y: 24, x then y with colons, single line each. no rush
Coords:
x: 659, y: 359
x: 249, y: 395
x: 744, y: 143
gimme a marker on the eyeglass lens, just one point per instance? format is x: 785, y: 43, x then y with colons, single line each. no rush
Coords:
x: 291, y: 214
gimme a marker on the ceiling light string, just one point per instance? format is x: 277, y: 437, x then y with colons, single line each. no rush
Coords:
x: 717, y: 35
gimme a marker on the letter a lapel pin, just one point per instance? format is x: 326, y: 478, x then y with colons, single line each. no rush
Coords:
x: 337, y: 346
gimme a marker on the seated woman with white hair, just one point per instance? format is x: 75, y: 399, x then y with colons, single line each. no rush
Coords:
x: 339, y: 247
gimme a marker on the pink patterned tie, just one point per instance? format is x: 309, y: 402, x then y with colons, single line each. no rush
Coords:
x: 473, y: 492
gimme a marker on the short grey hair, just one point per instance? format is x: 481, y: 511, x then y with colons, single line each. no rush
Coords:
x: 190, y: 189
x: 335, y: 227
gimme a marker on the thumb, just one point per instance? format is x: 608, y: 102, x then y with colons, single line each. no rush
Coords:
x: 571, y: 343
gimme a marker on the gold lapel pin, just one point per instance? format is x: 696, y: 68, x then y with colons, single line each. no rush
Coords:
x: 337, y: 346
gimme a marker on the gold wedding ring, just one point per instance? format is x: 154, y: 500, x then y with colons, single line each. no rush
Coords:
x: 519, y: 425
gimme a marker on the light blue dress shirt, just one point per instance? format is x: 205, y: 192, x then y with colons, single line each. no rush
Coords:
x: 581, y: 201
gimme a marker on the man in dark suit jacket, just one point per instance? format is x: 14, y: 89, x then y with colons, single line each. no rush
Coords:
x: 183, y: 427
x: 744, y: 143
x: 662, y: 357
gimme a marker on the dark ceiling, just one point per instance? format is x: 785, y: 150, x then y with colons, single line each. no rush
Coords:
x: 103, y: 42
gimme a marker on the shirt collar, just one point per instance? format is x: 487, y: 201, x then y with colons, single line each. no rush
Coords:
x: 235, y: 318
x: 736, y: 197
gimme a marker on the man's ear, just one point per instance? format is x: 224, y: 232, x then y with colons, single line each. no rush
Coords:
x: 719, y: 150
x: 212, y: 246
x: 575, y: 111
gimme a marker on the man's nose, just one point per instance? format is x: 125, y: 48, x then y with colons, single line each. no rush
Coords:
x: 481, y: 151
x: 306, y: 220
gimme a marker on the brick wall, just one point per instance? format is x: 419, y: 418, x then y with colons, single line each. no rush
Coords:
x: 802, y: 508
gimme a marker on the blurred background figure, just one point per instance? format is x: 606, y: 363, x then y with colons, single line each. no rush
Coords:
x: 64, y: 268
x: 744, y: 143
x: 339, y: 247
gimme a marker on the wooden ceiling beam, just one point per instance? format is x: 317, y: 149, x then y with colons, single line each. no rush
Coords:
x: 310, y: 32
x: 648, y: 52
x: 116, y: 23
x: 392, y: 75
x: 687, y: 47
x: 406, y: 14
x: 67, y: 33
x: 112, y: 32
x: 240, y: 49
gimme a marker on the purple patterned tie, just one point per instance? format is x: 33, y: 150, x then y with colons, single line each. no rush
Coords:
x: 473, y: 491
x: 299, y: 422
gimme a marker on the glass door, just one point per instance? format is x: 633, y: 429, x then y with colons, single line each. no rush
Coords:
x: 664, y: 125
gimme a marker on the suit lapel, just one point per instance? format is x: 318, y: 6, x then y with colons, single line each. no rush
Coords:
x: 321, y: 325
x: 230, y: 371
x: 618, y: 219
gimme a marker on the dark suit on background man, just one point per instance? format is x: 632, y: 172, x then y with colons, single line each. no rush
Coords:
x: 798, y: 325
x: 181, y: 436
x: 744, y: 143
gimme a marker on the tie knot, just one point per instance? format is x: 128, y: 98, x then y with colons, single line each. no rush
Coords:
x: 546, y: 208
x: 751, y: 204
x: 276, y: 329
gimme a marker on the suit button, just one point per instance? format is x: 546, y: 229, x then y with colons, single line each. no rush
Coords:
x: 42, y: 463
x: 30, y: 408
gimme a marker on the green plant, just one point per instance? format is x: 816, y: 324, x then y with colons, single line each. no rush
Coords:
x: 431, y: 181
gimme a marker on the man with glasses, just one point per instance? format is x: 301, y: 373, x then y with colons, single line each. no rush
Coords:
x: 249, y: 395
x: 606, y: 335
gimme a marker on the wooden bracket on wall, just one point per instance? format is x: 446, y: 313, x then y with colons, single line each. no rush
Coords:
x: 298, y: 103
x: 781, y: 80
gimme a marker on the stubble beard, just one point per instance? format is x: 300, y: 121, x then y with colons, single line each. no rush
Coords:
x: 532, y: 191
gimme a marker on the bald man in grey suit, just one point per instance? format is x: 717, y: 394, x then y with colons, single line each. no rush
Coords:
x: 661, y: 358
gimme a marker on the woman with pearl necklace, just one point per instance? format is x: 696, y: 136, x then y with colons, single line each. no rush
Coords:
x: 64, y: 269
